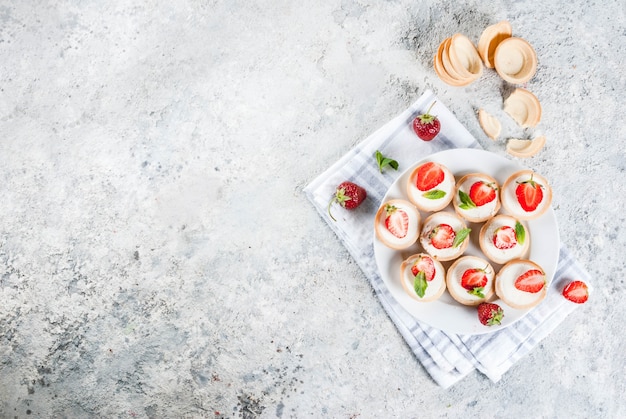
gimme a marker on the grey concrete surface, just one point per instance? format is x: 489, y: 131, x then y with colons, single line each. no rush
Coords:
x: 159, y: 259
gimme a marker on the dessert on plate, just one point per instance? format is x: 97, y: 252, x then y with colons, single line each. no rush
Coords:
x: 444, y: 235
x: 521, y: 283
x: 470, y: 280
x: 504, y: 238
x: 526, y: 195
x: 423, y: 277
x: 397, y: 224
x: 477, y: 197
x: 430, y: 186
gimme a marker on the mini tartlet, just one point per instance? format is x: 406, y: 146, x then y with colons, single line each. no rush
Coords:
x: 521, y: 284
x: 504, y: 238
x: 430, y: 186
x: 477, y: 197
x: 397, y: 224
x: 526, y: 195
x: 444, y: 236
x: 431, y: 285
x: 470, y: 280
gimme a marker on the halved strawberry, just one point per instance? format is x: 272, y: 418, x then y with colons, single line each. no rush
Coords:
x: 529, y: 194
x: 442, y: 236
x: 482, y: 193
x: 474, y: 281
x: 397, y: 221
x: 429, y: 175
x: 532, y: 281
x: 424, y: 264
x: 504, y: 238
x: 576, y: 291
x: 490, y: 314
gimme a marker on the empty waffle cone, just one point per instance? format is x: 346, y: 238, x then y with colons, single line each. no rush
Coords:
x: 489, y: 124
x: 515, y: 60
x: 523, y: 107
x: 490, y: 39
x: 525, y: 148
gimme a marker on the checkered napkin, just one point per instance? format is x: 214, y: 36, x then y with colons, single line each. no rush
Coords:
x: 447, y: 357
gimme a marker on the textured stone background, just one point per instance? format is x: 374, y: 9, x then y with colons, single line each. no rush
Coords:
x: 158, y: 257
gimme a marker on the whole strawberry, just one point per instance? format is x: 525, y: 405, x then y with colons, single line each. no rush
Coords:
x: 427, y: 126
x: 490, y: 314
x: 349, y: 195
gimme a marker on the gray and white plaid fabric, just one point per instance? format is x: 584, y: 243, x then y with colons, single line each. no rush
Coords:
x: 447, y: 357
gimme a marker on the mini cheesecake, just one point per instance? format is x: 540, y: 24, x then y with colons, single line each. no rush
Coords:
x: 476, y: 197
x: 504, y: 238
x: 423, y: 277
x: 526, y: 195
x: 444, y: 236
x: 521, y: 284
x: 397, y: 224
x: 470, y: 280
x: 430, y: 186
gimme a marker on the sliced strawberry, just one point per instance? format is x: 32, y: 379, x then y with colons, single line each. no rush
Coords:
x: 442, y: 236
x: 532, y: 281
x: 474, y: 278
x: 482, y: 193
x: 490, y: 314
x: 424, y: 264
x: 576, y: 291
x: 397, y: 221
x: 429, y: 175
x: 529, y: 194
x: 504, y: 238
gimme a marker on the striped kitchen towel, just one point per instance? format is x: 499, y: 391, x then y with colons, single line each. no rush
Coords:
x: 447, y: 357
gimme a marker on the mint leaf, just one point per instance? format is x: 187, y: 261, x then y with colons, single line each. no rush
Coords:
x: 478, y: 291
x: 520, y: 233
x: 420, y: 284
x: 466, y: 201
x: 383, y: 162
x: 460, y: 236
x: 434, y: 194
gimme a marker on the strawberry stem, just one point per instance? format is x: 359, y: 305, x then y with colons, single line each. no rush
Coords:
x: 431, y: 106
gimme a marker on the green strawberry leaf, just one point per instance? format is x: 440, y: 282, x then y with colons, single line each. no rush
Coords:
x: 478, y: 291
x: 520, y: 233
x: 466, y: 201
x: 460, y: 236
x: 420, y: 284
x: 383, y: 162
x: 434, y: 194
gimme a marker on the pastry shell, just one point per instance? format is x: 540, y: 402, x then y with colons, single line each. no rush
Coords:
x: 523, y: 107
x: 491, y: 37
x: 490, y: 124
x: 515, y: 60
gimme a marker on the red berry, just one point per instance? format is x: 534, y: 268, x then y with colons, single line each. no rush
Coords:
x: 426, y: 126
x: 442, y: 236
x: 504, y: 238
x: 532, y: 281
x: 474, y: 278
x: 349, y: 195
x: 397, y: 221
x: 576, y: 291
x: 490, y: 314
x: 482, y: 193
x: 529, y: 194
x: 424, y: 264
x: 429, y: 175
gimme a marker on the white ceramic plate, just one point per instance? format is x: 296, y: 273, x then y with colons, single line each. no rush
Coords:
x: 445, y: 313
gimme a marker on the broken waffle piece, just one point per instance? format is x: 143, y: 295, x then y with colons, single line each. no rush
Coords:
x: 489, y: 123
x: 525, y: 148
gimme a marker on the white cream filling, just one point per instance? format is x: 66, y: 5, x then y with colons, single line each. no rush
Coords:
x: 509, y: 197
x: 426, y: 204
x: 456, y: 274
x: 435, y: 220
x: 433, y: 286
x: 413, y: 229
x: 486, y: 242
x: 483, y: 211
x: 506, y: 284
